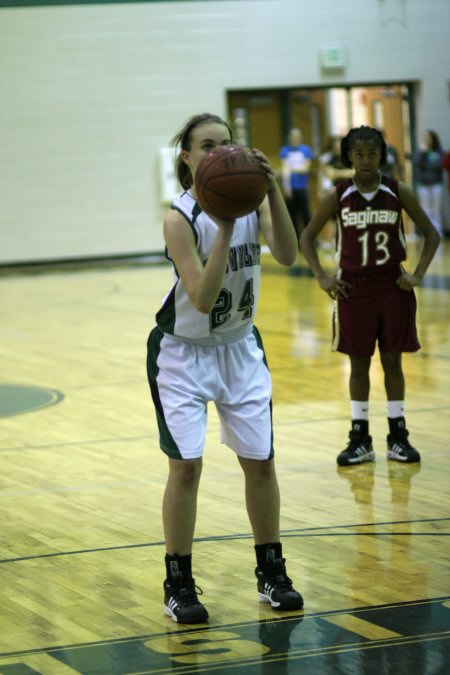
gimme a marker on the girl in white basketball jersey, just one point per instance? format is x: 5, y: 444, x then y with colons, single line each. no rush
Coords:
x: 204, y: 349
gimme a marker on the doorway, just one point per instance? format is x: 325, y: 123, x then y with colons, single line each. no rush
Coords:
x: 262, y: 119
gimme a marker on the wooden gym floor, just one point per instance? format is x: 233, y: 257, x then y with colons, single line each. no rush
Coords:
x: 82, y: 479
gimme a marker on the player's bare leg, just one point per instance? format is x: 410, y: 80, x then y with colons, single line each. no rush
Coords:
x: 394, y: 380
x: 398, y: 446
x: 180, y: 504
x: 359, y: 448
x: 262, y: 497
x: 179, y: 515
x: 359, y: 382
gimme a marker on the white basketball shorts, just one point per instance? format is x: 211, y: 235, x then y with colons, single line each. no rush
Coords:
x: 185, y: 377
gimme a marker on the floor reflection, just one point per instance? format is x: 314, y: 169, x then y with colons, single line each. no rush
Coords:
x: 384, y: 547
x: 406, y: 639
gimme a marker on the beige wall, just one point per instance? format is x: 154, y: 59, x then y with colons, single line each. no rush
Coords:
x: 90, y: 93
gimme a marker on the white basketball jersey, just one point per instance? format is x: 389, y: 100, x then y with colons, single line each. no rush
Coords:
x: 235, y: 306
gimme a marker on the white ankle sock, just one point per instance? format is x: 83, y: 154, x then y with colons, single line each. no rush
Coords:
x: 360, y: 410
x: 396, y: 409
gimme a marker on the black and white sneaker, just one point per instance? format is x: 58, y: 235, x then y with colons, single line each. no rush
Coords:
x: 181, y: 602
x: 274, y: 586
x: 359, y: 450
x: 400, y: 449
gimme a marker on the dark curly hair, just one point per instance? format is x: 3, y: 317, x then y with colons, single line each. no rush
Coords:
x: 362, y: 134
x: 182, y: 141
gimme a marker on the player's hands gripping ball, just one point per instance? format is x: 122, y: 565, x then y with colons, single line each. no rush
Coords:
x: 230, y: 182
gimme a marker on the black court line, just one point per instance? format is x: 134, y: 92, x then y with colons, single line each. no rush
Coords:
x: 306, y: 532
x: 296, y: 655
x: 235, y: 625
x: 247, y: 663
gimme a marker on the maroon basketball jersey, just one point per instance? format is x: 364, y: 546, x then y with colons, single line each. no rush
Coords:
x: 370, y: 231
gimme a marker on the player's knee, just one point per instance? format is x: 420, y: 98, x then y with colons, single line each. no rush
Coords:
x: 262, y: 468
x: 359, y: 367
x: 391, y: 363
x: 186, y: 472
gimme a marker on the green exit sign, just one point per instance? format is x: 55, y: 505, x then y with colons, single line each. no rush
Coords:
x: 333, y: 57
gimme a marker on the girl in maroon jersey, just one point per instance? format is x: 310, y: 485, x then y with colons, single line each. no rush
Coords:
x: 374, y: 300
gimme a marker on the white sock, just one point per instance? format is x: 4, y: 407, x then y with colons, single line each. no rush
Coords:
x: 396, y: 409
x: 360, y: 410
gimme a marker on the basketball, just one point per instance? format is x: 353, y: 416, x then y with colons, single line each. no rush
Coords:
x: 230, y: 182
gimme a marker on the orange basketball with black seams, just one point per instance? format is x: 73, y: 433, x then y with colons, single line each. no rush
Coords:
x: 230, y: 182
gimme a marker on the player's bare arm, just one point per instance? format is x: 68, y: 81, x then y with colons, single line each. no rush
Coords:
x: 336, y: 288
x: 275, y: 221
x: 431, y: 237
x: 202, y: 283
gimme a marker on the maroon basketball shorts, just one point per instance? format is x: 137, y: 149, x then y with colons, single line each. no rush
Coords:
x: 375, y: 311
